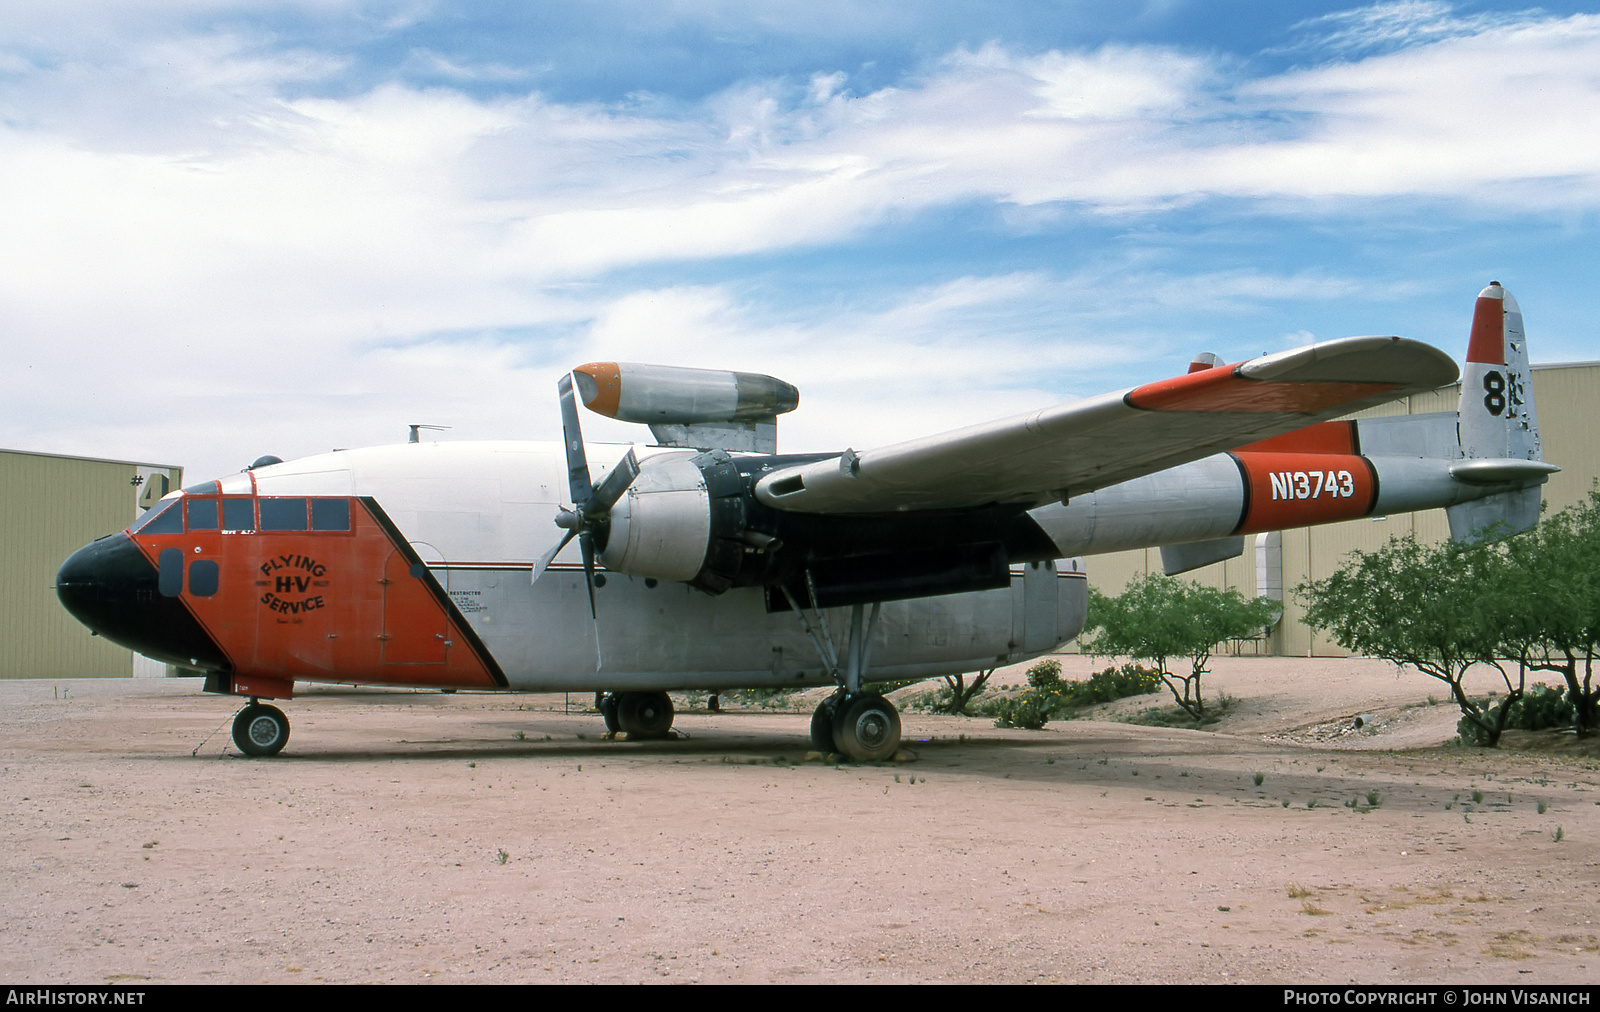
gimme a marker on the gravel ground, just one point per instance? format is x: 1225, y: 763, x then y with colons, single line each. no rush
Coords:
x: 410, y: 837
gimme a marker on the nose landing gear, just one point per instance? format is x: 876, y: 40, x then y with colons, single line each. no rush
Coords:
x: 260, y: 730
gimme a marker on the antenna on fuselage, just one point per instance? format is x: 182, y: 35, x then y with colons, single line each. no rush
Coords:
x: 416, y: 436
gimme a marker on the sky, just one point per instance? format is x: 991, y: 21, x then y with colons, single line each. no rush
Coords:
x: 232, y: 228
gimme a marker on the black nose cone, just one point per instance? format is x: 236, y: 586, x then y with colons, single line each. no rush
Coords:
x: 111, y: 587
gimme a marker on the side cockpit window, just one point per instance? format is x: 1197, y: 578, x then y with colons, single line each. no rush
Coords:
x: 284, y: 515
x: 201, y: 514
x: 330, y: 514
x: 238, y: 514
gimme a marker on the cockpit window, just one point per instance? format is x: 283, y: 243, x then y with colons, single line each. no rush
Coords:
x: 202, y: 513
x: 283, y: 514
x: 204, y: 488
x: 238, y: 514
x: 330, y: 514
x: 165, y: 518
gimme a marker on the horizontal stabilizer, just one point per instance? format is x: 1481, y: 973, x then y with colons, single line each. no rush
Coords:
x: 1496, y: 472
x: 1177, y: 559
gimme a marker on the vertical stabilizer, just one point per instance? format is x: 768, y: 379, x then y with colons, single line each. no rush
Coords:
x: 1496, y: 419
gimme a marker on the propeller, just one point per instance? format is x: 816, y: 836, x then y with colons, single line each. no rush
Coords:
x: 591, y: 504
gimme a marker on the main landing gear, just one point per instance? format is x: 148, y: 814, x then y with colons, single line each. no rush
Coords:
x: 637, y: 714
x: 862, y: 725
x: 260, y: 729
x: 865, y: 727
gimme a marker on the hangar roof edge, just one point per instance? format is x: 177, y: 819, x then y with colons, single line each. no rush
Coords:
x: 97, y: 460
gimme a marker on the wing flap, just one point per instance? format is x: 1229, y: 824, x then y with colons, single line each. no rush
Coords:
x: 1070, y: 449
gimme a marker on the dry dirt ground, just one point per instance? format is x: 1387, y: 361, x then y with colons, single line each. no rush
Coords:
x: 424, y: 837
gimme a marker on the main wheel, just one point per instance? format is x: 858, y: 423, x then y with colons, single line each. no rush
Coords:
x: 867, y: 728
x: 822, y: 724
x: 644, y: 714
x: 607, y: 705
x: 260, y: 730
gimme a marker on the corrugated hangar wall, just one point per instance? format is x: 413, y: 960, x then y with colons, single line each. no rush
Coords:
x: 49, y: 507
x: 1564, y: 396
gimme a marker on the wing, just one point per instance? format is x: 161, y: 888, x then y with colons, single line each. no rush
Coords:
x: 1075, y: 448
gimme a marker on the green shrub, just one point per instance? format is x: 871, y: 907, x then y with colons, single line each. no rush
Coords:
x: 1045, y: 675
x: 1030, y: 708
x: 1113, y: 684
x: 1541, y: 707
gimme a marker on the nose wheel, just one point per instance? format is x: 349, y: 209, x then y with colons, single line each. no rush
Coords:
x: 260, y: 730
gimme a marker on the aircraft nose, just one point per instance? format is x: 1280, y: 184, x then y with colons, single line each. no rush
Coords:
x: 111, y: 587
x: 84, y: 586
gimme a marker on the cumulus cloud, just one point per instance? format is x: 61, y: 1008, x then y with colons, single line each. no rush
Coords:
x: 200, y: 226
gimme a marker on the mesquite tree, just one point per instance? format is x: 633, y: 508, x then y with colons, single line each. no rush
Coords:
x: 1532, y: 602
x: 1159, y: 618
x: 1431, y: 607
x: 1549, y: 603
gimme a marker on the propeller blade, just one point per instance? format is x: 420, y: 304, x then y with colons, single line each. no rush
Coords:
x: 545, y: 560
x: 586, y: 542
x: 572, y: 436
x: 613, y: 485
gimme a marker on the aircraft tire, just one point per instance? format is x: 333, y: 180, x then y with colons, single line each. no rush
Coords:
x: 822, y: 725
x: 867, y: 728
x: 260, y: 730
x: 607, y: 705
x: 644, y: 714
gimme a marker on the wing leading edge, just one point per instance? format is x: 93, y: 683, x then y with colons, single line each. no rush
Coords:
x: 1074, y: 448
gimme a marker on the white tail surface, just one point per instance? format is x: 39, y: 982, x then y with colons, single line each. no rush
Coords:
x: 1497, y: 413
x: 1497, y: 420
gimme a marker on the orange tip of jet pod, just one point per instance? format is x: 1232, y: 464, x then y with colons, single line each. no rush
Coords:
x: 1488, y: 341
x: 600, y: 387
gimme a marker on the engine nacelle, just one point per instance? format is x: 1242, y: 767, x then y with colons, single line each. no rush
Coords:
x: 684, y: 518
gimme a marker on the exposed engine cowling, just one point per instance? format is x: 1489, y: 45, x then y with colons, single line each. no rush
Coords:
x: 692, y: 518
x: 685, y: 518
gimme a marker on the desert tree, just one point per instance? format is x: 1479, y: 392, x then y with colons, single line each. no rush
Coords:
x: 1160, y: 619
x: 959, y: 693
x: 1550, y: 602
x: 1438, y: 608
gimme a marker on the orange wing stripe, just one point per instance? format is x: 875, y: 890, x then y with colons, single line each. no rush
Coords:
x: 1223, y: 390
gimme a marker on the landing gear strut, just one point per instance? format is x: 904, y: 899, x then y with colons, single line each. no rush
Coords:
x: 260, y: 729
x: 862, y: 725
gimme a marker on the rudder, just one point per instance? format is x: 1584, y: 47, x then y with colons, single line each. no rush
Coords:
x: 1496, y: 420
